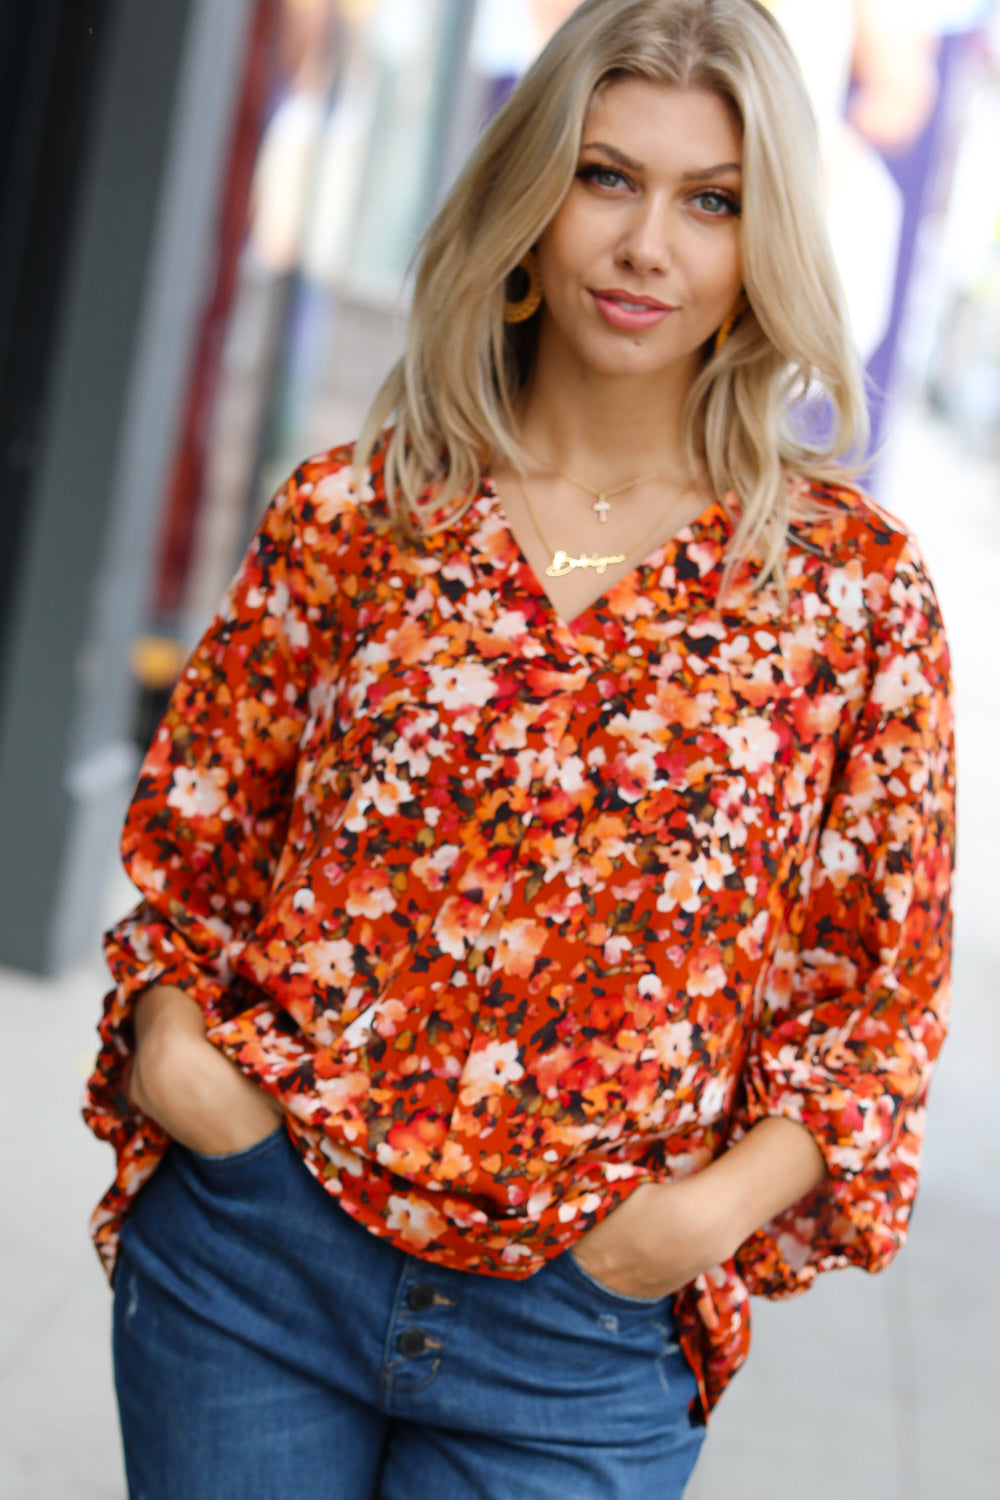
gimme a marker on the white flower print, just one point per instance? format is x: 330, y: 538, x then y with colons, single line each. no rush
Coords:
x: 488, y: 1070
x: 467, y: 684
x: 752, y: 743
x: 898, y: 684
x: 197, y: 793
x: 838, y: 856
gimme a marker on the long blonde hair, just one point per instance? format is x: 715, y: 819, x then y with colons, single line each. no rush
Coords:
x: 452, y: 395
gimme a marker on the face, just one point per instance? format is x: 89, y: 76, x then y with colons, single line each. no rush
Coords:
x: 641, y: 263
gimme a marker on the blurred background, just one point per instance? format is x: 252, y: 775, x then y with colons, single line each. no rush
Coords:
x: 207, y: 211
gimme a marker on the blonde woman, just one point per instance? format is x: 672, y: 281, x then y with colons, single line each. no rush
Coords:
x: 545, y: 856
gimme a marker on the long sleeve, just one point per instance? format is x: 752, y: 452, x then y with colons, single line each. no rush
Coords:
x: 210, y: 811
x: 854, y: 1008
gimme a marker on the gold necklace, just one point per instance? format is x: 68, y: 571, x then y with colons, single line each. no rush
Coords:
x: 562, y: 562
x: 602, y: 497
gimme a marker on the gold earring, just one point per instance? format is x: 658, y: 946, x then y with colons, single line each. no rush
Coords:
x: 519, y: 312
x: 728, y: 324
x: 725, y: 329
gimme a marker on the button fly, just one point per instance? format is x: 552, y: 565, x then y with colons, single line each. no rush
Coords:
x: 416, y: 1339
x: 420, y: 1296
x: 411, y: 1341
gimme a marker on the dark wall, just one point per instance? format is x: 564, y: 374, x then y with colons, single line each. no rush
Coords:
x: 113, y: 142
x: 50, y: 59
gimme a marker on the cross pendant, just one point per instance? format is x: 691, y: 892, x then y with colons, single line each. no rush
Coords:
x: 602, y: 506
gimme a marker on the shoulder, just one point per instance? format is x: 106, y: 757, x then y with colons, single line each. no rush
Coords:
x: 329, y: 492
x: 854, y: 554
x: 840, y: 527
x: 839, y: 522
x: 330, y: 516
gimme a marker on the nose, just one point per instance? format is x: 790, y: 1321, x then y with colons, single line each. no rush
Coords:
x: 646, y: 243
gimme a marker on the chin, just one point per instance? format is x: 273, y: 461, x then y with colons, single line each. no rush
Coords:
x: 635, y: 364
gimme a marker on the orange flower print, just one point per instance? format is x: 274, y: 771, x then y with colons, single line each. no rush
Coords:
x: 706, y: 972
x: 512, y: 914
x: 369, y: 894
x: 819, y: 715
x: 633, y: 774
x: 414, y: 1220
x: 410, y: 1145
x: 519, y: 944
x: 680, y: 887
x: 432, y: 869
x: 455, y: 1163
x: 457, y: 925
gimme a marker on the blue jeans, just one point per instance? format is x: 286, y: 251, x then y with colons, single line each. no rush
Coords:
x: 267, y: 1346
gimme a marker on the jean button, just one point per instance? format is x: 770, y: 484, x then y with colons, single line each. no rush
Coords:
x: 411, y: 1341
x: 420, y: 1296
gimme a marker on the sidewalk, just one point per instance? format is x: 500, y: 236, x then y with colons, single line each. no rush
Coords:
x: 872, y: 1388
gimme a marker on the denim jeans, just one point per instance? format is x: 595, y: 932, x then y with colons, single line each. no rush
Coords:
x: 267, y: 1347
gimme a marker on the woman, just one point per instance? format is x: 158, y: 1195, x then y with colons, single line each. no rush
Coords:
x: 552, y: 831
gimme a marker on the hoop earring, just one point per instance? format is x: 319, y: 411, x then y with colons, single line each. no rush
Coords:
x: 725, y: 329
x: 519, y: 312
x: 728, y: 324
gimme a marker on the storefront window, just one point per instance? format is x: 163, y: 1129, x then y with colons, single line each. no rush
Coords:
x: 335, y: 167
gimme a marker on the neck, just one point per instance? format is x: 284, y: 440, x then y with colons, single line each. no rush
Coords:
x: 606, y: 427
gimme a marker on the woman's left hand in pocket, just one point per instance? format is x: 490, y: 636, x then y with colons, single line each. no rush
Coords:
x: 662, y: 1237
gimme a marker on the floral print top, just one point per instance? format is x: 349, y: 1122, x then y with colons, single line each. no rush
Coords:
x: 514, y: 915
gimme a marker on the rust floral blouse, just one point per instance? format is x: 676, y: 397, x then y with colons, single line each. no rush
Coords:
x: 514, y: 915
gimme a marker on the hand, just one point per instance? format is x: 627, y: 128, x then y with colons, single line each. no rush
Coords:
x: 659, y: 1239
x: 666, y: 1234
x: 188, y: 1086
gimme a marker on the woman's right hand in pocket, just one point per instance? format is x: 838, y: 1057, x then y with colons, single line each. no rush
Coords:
x: 190, y: 1088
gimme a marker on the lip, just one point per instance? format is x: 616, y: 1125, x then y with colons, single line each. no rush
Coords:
x: 629, y: 310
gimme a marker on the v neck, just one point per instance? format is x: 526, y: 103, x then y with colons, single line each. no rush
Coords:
x: 579, y: 630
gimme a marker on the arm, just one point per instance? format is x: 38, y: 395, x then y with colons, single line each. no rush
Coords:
x: 855, y: 1010
x: 205, y: 829
x: 825, y: 1138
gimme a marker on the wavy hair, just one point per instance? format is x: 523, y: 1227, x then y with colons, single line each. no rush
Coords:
x: 452, y: 396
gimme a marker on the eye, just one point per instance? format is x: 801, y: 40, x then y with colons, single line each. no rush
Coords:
x: 602, y: 176
x: 717, y: 204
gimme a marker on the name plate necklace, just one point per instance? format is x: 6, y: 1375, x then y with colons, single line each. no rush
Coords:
x: 563, y: 562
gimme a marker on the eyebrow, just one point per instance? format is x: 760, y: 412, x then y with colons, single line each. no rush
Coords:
x: 720, y: 169
x: 619, y: 157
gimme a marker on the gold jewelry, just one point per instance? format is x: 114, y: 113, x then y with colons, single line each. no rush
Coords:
x: 563, y: 562
x: 728, y: 324
x: 600, y: 504
x: 519, y: 312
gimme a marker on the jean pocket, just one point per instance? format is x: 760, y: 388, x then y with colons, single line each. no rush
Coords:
x: 223, y: 1161
x: 572, y: 1266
